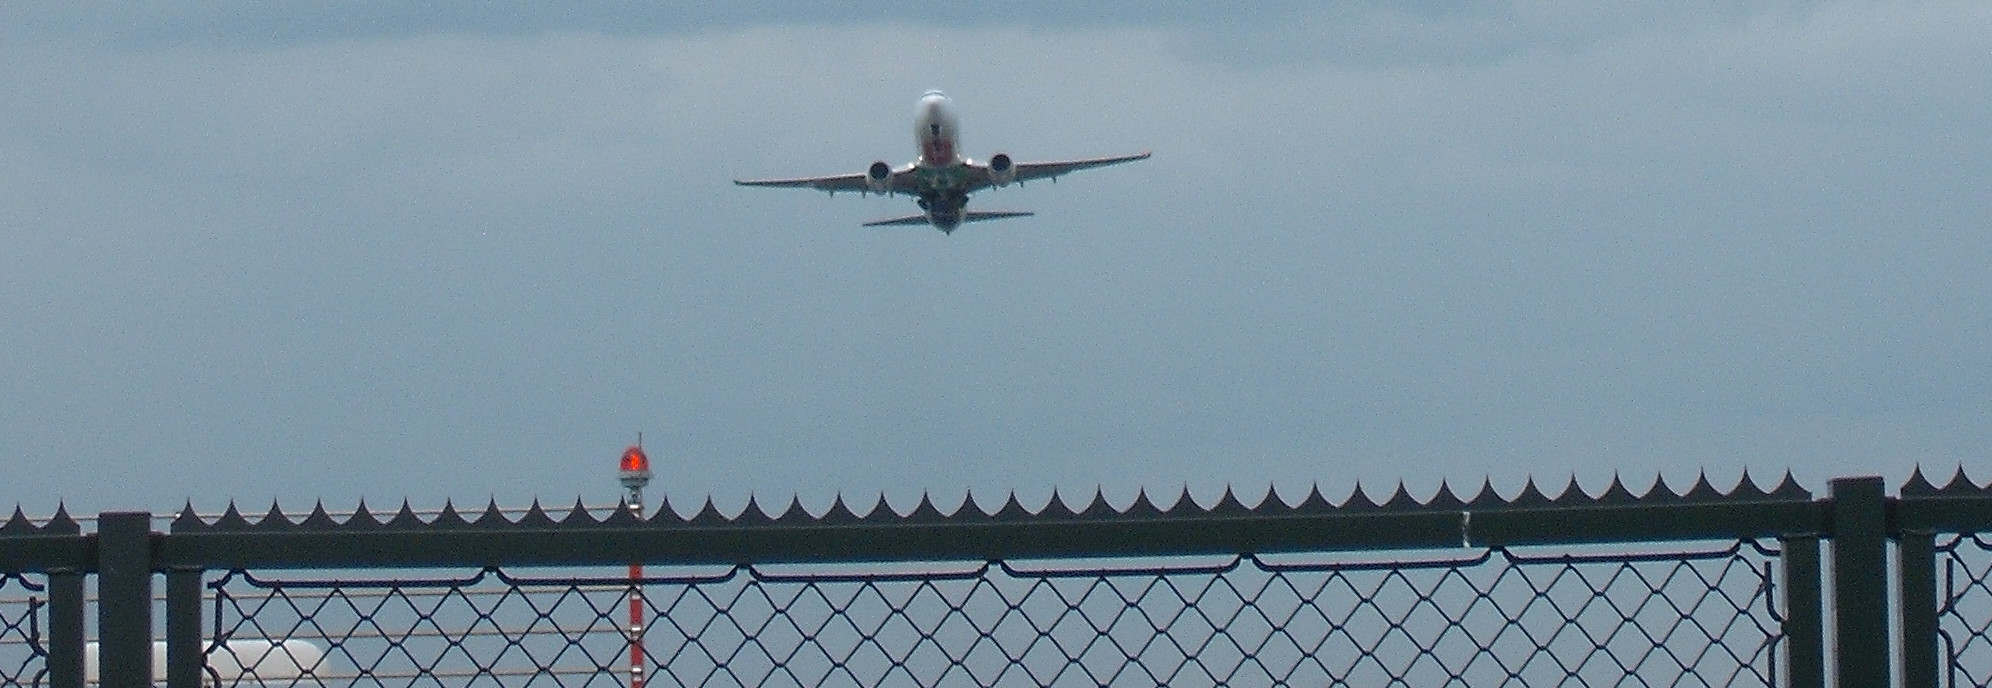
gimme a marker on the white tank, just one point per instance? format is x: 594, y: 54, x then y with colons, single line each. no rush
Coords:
x: 252, y: 662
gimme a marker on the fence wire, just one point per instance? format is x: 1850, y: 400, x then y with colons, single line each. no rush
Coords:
x: 1964, y: 610
x: 1497, y: 617
x: 23, y: 618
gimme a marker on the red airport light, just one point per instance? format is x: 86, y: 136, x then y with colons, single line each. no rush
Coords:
x: 635, y: 468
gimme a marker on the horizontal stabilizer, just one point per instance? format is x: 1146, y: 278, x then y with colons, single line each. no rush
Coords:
x: 974, y: 215
x: 970, y: 216
x: 899, y: 221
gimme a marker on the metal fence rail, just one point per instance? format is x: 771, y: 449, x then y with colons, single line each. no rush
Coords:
x: 1496, y: 617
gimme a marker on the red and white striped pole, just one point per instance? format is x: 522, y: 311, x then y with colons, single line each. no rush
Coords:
x: 635, y: 474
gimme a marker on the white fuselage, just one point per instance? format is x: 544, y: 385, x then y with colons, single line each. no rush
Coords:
x: 936, y: 130
x: 940, y: 173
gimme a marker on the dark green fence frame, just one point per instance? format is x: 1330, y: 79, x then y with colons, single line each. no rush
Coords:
x: 1857, y: 517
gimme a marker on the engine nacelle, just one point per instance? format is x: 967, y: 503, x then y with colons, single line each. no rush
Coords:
x: 1001, y: 170
x: 878, y: 177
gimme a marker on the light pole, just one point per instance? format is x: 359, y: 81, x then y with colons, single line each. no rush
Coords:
x: 635, y: 474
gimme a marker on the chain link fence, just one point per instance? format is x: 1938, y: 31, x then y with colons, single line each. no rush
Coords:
x: 1964, y: 612
x: 1705, y: 617
x: 23, y: 656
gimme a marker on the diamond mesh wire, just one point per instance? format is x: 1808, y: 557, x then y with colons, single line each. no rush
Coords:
x: 1497, y: 617
x: 23, y: 613
x: 1964, y: 610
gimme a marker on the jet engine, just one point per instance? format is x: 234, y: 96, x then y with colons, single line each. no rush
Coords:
x: 878, y: 177
x: 1001, y: 170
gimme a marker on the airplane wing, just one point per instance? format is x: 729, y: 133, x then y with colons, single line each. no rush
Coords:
x: 1028, y: 171
x: 833, y: 183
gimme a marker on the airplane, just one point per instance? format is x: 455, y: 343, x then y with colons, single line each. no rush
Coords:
x: 940, y: 177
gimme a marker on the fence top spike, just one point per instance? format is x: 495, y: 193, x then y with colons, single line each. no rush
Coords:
x: 19, y: 522
x: 61, y: 522
x: 838, y: 513
x: 1359, y: 500
x: 664, y: 513
x: 319, y: 518
x: 1228, y: 504
x: 186, y: 520
x: 1401, y: 499
x: 623, y: 516
x: 708, y: 515
x: 1098, y: 507
x: 536, y: 516
x: 449, y: 516
x: 1444, y: 498
x: 753, y: 514
x: 1959, y: 482
x: 578, y: 515
x: 1486, y: 497
x: 1917, y: 485
x: 231, y: 518
x: 1142, y: 506
x: 1056, y: 506
x: 492, y: 516
x: 794, y: 513
x: 1270, y: 499
x: 405, y: 518
x: 968, y: 502
x: 1702, y: 490
x: 1788, y: 488
x: 1276, y: 502
x: 1531, y: 496
x: 1616, y: 492
x: 1746, y: 486
x: 1012, y: 510
x: 880, y: 511
x: 926, y: 512
x: 1314, y: 501
x: 1661, y: 491
x: 275, y: 518
x: 1572, y: 494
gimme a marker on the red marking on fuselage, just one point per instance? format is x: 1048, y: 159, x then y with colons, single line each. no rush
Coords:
x: 938, y: 151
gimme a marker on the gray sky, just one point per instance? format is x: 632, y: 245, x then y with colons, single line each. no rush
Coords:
x: 255, y: 251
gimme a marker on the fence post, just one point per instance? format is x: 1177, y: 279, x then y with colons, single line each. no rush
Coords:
x: 124, y: 600
x: 1918, y: 552
x: 186, y: 661
x: 1860, y: 583
x: 1804, y: 623
x: 65, y: 629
